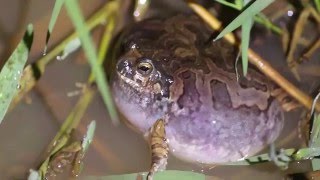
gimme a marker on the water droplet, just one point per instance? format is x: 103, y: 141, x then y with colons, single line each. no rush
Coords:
x: 202, y: 170
x: 44, y: 51
x: 290, y: 13
x: 18, y: 86
x: 136, y: 13
x: 59, y: 58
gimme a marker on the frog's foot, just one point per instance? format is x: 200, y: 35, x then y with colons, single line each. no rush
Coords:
x: 159, y: 148
x: 279, y: 157
x: 286, y: 102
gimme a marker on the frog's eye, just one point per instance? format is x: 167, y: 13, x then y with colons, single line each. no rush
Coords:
x: 144, y: 68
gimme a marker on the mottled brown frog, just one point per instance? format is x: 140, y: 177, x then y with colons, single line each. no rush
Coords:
x: 169, y: 68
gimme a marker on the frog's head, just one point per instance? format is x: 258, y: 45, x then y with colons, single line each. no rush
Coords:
x: 140, y: 83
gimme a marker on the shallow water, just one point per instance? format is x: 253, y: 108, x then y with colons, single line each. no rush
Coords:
x: 28, y: 129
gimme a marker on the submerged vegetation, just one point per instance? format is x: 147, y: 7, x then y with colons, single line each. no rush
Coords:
x: 250, y: 12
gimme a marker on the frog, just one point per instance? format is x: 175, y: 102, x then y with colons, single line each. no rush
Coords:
x: 169, y: 68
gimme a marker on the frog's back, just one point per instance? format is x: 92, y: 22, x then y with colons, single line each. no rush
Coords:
x: 212, y: 118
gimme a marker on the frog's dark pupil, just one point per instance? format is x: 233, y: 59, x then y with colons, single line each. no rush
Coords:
x: 144, y: 68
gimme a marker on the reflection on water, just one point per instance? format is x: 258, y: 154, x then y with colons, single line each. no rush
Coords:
x: 27, y: 130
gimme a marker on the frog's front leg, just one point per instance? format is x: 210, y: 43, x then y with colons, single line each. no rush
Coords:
x: 159, y: 147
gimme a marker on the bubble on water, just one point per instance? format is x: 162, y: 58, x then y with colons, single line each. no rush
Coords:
x: 18, y: 86
x: 290, y: 13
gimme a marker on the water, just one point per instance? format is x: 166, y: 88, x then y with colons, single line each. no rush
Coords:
x: 28, y: 129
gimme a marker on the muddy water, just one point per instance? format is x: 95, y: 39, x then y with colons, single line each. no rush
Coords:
x: 26, y: 131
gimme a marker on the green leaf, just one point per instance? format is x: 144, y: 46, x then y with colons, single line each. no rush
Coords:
x: 249, y: 12
x: 89, y: 135
x: 245, y: 39
x: 164, y: 175
x: 12, y: 70
x: 55, y: 12
x: 74, y: 12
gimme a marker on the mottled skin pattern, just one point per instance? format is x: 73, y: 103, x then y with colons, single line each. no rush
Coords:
x: 168, y: 68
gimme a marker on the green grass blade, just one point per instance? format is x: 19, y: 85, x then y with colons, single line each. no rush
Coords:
x: 315, y: 140
x: 295, y: 155
x: 249, y: 12
x: 228, y: 4
x: 245, y: 39
x: 317, y: 3
x: 12, y: 70
x: 164, y: 175
x: 74, y: 12
x: 54, y: 16
x: 89, y: 135
x: 315, y: 132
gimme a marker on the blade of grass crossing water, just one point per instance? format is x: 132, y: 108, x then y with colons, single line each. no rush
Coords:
x: 249, y: 12
x: 245, y: 39
x: 11, y: 72
x: 74, y: 12
x: 55, y: 12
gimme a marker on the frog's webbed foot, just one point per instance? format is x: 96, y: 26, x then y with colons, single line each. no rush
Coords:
x: 159, y: 148
x: 286, y: 102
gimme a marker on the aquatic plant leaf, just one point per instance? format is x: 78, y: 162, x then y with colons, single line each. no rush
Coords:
x: 245, y: 39
x: 74, y: 12
x: 164, y: 175
x: 11, y: 72
x: 249, y: 12
x: 55, y: 12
